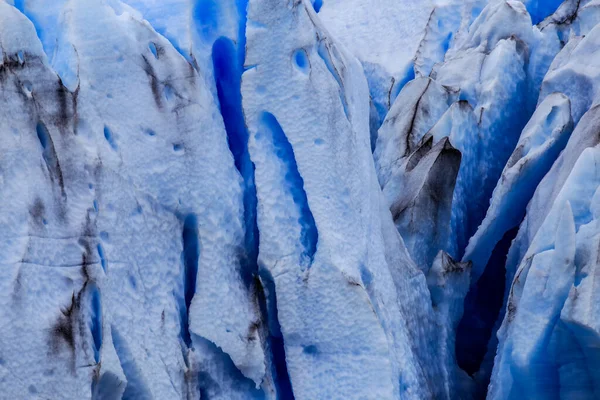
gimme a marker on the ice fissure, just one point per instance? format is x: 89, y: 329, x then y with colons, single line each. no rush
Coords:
x: 304, y: 199
x: 190, y: 256
x: 228, y: 64
x: 228, y: 74
x: 271, y: 130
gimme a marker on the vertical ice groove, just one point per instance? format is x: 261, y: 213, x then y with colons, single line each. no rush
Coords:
x: 540, y: 144
x: 228, y: 67
x: 179, y: 180
x: 40, y: 28
x: 96, y: 320
x: 268, y: 302
x: 325, y: 50
x: 309, y: 235
x: 190, y: 256
x: 228, y: 57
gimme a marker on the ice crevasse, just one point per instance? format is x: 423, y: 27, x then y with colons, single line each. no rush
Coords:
x: 298, y: 199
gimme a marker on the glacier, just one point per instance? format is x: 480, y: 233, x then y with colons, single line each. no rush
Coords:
x: 299, y: 199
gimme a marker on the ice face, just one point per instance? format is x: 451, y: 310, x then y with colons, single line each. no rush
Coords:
x: 295, y: 136
x: 299, y: 200
x: 475, y: 99
x: 482, y: 124
x: 547, y: 277
x: 138, y: 197
x: 384, y: 37
x: 428, y: 177
x: 541, y: 141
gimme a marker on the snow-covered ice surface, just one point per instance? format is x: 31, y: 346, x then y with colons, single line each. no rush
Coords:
x: 384, y: 35
x: 299, y: 199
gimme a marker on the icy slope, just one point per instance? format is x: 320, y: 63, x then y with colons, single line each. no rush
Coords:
x: 297, y: 199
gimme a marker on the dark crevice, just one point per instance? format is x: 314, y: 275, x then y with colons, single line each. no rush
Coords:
x: 409, y: 131
x: 96, y: 320
x: 190, y: 256
x: 267, y: 296
x: 482, y: 306
x: 67, y: 102
x: 154, y: 82
x: 228, y: 64
x: 228, y: 75
x: 309, y: 235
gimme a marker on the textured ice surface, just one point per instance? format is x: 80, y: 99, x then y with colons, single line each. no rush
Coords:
x: 316, y: 197
x: 535, y: 355
x: 134, y: 210
x: 384, y: 36
x: 480, y: 96
x: 303, y: 199
x: 475, y: 99
x: 544, y: 137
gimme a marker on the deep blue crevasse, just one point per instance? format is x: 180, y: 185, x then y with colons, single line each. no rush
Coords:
x: 190, y: 256
x: 228, y: 65
x: 96, y: 321
x: 228, y: 76
x: 309, y: 235
x: 268, y: 304
x: 483, y: 304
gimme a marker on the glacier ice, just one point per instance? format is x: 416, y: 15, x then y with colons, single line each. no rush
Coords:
x: 299, y: 199
x: 384, y: 37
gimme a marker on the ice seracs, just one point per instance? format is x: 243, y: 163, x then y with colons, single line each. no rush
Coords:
x: 299, y: 199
